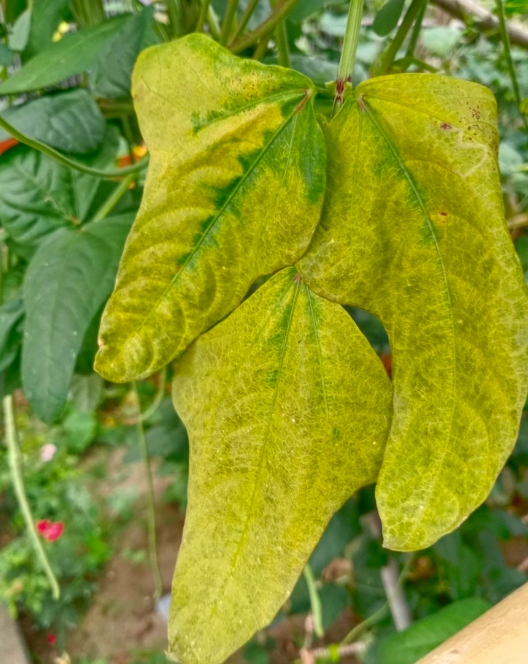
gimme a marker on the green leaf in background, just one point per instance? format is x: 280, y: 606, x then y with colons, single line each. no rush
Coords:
x: 86, y: 391
x: 111, y: 76
x: 441, y: 40
x: 69, y: 121
x: 38, y: 195
x: 298, y: 409
x: 387, y: 17
x: 74, y: 54
x: 413, y: 231
x: 19, y: 35
x: 306, y: 8
x: 6, y: 56
x: 45, y: 18
x: 68, y: 279
x: 80, y: 428
x: 319, y: 70
x: 234, y: 191
x: 521, y: 247
x: 458, y: 565
x: 424, y: 635
x: 11, y: 323
x: 13, y: 9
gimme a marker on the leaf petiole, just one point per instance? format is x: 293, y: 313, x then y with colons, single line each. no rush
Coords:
x: 72, y: 163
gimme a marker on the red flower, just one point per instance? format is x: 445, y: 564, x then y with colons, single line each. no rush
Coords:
x: 51, y: 639
x: 49, y: 530
x: 43, y: 526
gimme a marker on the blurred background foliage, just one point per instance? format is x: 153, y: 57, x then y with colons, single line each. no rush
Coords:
x: 65, y: 67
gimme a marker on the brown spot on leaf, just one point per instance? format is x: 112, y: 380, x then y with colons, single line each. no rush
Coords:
x: 445, y: 126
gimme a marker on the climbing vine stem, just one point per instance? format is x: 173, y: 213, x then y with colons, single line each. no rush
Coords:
x: 315, y: 602
x: 412, y: 14
x: 348, y: 54
x: 505, y: 38
x: 17, y: 479
x: 151, y: 516
x: 72, y: 163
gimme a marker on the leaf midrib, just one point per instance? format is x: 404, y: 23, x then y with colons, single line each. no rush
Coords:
x: 392, y: 147
x: 262, y: 451
x: 211, y: 225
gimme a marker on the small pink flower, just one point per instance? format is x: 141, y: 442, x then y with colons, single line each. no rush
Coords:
x: 51, y: 639
x: 50, y: 530
x: 47, y: 452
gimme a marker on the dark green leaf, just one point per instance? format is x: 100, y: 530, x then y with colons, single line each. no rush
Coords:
x: 409, y: 646
x: 19, y: 35
x: 306, y: 8
x: 387, y: 18
x: 459, y: 565
x: 71, y: 55
x: 318, y: 69
x: 70, y: 121
x: 6, y: 56
x: 69, y: 278
x: 38, y: 195
x: 110, y: 78
x: 45, y: 18
x: 11, y: 314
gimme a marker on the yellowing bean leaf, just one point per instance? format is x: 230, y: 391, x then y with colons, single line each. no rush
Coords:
x: 234, y: 191
x: 288, y: 409
x: 413, y: 230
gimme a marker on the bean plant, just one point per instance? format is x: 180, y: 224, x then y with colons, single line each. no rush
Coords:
x: 271, y: 205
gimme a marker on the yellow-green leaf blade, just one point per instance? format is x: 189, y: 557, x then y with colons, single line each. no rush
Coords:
x: 234, y: 191
x: 413, y: 230
x: 287, y: 408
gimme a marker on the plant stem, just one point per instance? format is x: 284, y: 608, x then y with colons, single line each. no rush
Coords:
x: 412, y: 13
x: 15, y: 466
x: 175, y: 18
x: 261, y: 49
x: 415, y: 34
x: 348, y: 54
x: 381, y: 612
x: 204, y: 9
x: 281, y: 10
x: 156, y: 402
x: 282, y: 44
x: 315, y: 602
x: 151, y: 521
x: 227, y: 25
x: 71, y: 163
x: 214, y: 26
x: 114, y: 198
x: 505, y: 38
x: 250, y: 8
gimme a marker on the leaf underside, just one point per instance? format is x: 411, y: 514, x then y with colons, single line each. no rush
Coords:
x: 413, y: 231
x: 234, y: 191
x: 287, y: 408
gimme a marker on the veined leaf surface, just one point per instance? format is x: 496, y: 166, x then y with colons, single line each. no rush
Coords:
x: 413, y: 231
x: 288, y: 409
x: 66, y: 284
x: 73, y: 54
x: 234, y: 191
x: 39, y: 196
x: 70, y: 121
